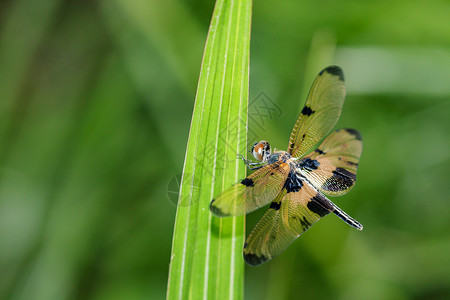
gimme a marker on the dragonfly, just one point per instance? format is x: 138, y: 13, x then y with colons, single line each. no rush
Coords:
x: 296, y: 182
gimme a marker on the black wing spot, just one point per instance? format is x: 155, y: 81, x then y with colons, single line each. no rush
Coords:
x: 309, y: 164
x: 319, y: 205
x: 355, y: 133
x: 217, y: 211
x: 248, y: 182
x: 254, y: 260
x: 307, y: 111
x: 293, y: 182
x: 319, y: 151
x: 341, y: 180
x: 305, y: 223
x: 334, y: 70
x: 343, y: 172
x: 352, y: 163
x: 275, y: 205
x: 303, y: 137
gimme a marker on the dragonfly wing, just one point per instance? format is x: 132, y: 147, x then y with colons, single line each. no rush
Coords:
x: 289, y: 215
x: 255, y: 191
x: 332, y: 166
x: 321, y: 111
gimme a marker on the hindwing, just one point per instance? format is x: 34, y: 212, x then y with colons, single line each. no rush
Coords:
x: 332, y: 166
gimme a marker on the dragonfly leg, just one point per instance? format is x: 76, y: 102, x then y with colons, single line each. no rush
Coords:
x: 251, y: 165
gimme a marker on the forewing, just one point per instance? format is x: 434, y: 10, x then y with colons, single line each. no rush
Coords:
x: 321, y: 111
x: 332, y: 166
x: 255, y: 191
x: 289, y: 215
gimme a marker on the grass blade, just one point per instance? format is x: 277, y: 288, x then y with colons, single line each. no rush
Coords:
x: 206, y: 259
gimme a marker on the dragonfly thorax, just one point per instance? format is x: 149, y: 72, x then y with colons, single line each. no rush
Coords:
x: 279, y: 155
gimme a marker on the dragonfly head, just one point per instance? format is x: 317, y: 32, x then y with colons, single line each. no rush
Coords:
x: 261, y: 150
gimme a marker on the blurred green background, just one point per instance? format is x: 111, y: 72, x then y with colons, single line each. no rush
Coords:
x: 96, y: 101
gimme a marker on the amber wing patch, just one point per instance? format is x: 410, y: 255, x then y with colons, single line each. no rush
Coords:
x: 292, y: 214
x: 251, y: 193
x: 336, y: 161
x: 320, y: 112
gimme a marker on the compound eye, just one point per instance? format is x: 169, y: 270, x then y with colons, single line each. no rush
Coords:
x: 261, y: 150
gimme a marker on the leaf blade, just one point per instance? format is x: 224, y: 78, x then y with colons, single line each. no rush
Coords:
x: 206, y: 259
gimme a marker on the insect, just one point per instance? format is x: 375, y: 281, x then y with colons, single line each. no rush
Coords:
x: 293, y: 183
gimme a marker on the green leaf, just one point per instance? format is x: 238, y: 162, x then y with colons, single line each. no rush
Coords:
x: 206, y: 259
